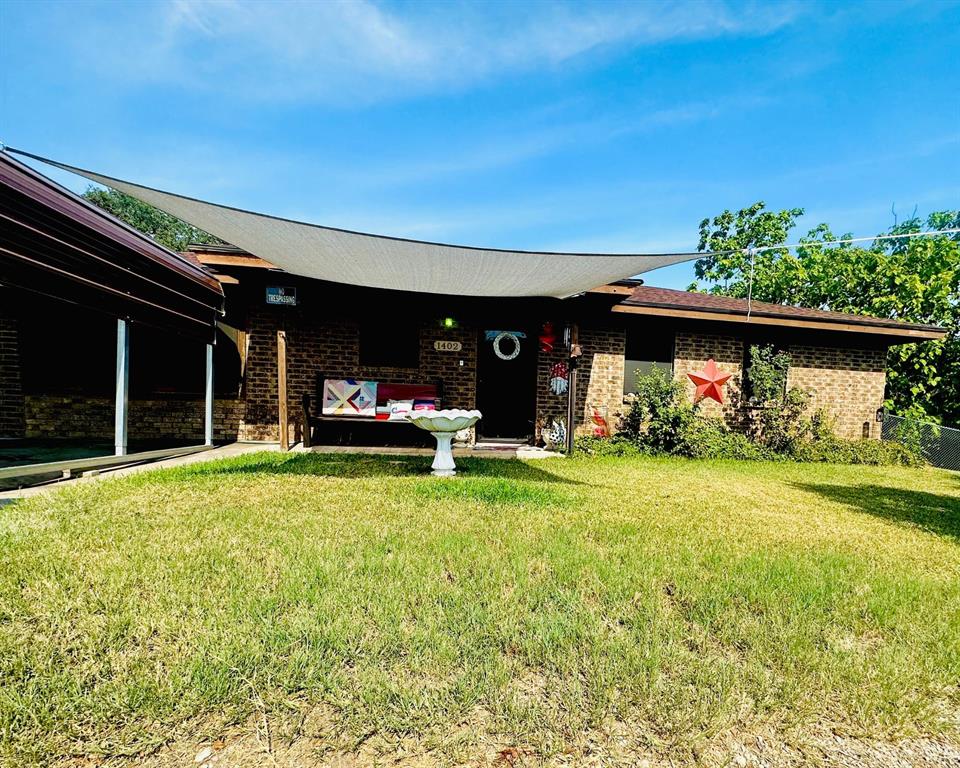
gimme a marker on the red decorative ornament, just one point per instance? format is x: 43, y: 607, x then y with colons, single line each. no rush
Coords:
x: 559, y: 378
x: 709, y: 382
x: 547, y: 337
x: 601, y: 428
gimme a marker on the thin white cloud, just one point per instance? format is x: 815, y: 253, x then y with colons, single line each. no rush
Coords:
x: 359, y: 52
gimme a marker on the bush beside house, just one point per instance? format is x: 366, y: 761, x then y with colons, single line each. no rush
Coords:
x: 661, y: 421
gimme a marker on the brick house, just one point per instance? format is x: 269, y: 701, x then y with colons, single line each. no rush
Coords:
x: 511, y: 333
x: 340, y: 332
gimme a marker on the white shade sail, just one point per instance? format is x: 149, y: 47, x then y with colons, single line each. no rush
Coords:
x: 378, y: 261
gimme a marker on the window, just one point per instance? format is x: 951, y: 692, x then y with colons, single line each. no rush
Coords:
x: 765, y: 370
x: 646, y: 350
x: 389, y: 344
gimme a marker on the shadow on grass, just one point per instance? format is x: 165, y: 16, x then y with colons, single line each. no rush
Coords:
x: 937, y: 513
x: 345, y: 465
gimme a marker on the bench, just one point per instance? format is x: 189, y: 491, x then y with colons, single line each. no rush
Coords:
x: 357, y: 430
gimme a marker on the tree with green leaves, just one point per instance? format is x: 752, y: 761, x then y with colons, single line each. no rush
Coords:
x: 165, y: 229
x: 911, y: 279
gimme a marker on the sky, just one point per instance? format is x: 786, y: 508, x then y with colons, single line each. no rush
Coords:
x: 611, y: 127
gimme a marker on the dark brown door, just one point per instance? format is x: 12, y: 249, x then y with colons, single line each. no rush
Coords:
x: 507, y: 383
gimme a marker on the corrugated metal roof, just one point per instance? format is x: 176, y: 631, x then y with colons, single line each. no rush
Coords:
x: 56, y: 243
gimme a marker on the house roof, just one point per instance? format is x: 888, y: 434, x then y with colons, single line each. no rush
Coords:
x: 649, y: 300
x: 640, y: 298
x: 379, y: 261
x: 56, y: 243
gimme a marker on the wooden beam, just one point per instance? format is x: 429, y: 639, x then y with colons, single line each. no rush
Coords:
x: 233, y: 260
x: 282, y: 390
x: 911, y: 334
x: 617, y: 290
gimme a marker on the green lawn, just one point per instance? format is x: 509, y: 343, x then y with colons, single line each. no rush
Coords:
x: 532, y: 602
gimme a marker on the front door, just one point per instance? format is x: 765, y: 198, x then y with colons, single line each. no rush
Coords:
x: 507, y: 383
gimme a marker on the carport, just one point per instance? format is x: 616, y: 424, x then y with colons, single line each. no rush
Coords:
x: 56, y: 245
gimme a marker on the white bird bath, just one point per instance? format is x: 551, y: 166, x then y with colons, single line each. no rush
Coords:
x: 443, y: 425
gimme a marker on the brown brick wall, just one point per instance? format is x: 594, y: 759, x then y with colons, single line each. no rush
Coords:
x: 691, y: 352
x: 11, y: 394
x: 847, y: 383
x: 331, y: 346
x: 53, y: 416
x: 600, y: 378
x: 549, y: 405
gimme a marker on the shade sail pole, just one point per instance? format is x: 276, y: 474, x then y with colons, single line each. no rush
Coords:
x: 122, y: 388
x: 575, y: 353
x: 208, y: 400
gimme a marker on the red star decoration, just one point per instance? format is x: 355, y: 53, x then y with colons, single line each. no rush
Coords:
x: 709, y: 382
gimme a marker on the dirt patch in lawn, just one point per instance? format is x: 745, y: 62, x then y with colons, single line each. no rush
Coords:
x: 311, y: 739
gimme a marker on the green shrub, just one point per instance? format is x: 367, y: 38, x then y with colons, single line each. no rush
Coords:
x: 835, y: 450
x: 783, y: 428
x: 660, y: 421
x: 706, y: 438
x: 658, y: 414
x: 607, y: 446
x: 767, y: 373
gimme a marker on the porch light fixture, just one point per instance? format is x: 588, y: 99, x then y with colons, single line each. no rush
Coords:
x: 449, y: 322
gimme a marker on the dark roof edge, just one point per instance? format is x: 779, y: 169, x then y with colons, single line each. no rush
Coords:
x: 180, y: 264
x: 837, y: 318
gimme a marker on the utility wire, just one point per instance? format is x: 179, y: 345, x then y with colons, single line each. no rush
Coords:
x: 927, y: 233
x: 752, y: 252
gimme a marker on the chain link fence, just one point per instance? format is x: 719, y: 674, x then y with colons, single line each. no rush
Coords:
x: 938, y: 445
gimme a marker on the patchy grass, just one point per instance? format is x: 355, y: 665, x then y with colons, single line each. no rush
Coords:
x: 540, y: 600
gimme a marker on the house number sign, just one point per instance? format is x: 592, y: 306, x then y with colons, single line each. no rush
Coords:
x: 447, y: 346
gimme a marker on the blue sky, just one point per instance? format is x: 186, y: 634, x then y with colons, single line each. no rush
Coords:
x: 555, y: 126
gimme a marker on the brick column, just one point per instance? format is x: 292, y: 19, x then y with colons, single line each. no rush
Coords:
x: 600, y: 383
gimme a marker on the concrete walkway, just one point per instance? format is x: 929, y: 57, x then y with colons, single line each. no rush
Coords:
x: 222, y: 452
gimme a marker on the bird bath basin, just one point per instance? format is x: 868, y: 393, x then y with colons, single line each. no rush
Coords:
x: 443, y: 425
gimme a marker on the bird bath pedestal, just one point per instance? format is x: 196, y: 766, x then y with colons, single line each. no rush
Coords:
x: 443, y: 425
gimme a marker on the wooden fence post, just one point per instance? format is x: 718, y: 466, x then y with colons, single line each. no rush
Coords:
x: 282, y: 390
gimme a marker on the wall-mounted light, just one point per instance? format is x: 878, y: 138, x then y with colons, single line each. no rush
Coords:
x: 449, y: 322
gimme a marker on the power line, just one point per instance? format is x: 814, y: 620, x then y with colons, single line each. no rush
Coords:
x: 752, y: 252
x: 928, y: 233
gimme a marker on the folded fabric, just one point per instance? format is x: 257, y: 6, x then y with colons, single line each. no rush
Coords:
x: 399, y: 408
x: 425, y: 404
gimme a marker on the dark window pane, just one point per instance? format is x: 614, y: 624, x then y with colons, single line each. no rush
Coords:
x: 646, y: 349
x: 389, y: 345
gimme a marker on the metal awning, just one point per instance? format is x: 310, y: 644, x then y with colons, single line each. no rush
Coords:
x: 56, y: 243
x: 377, y: 261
